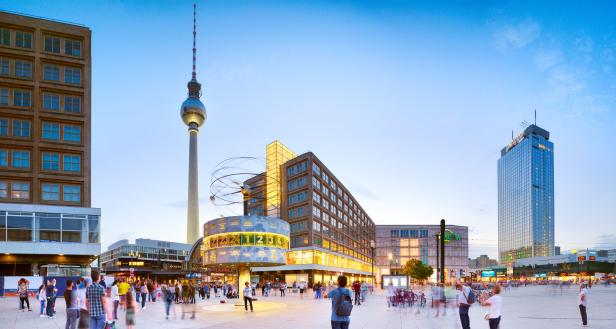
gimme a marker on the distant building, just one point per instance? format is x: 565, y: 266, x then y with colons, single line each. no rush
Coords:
x: 557, y: 250
x: 146, y: 258
x: 397, y: 244
x: 481, y: 262
x: 48, y: 225
x: 526, y: 197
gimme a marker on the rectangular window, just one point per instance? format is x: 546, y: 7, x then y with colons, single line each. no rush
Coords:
x: 51, y: 102
x: 51, y: 161
x: 72, y: 163
x: 4, y: 66
x: 4, y: 190
x: 4, y: 127
x: 21, y: 159
x: 72, y: 75
x: 21, y: 98
x: 52, y: 44
x: 51, y: 73
x: 23, y: 69
x: 72, y: 133
x: 51, y: 131
x: 20, y: 190
x: 4, y: 96
x: 4, y: 158
x: 72, y: 104
x: 21, y: 128
x: 23, y: 39
x: 51, y: 192
x: 72, y: 47
x: 72, y: 193
x: 5, y: 37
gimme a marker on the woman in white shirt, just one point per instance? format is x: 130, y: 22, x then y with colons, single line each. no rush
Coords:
x: 247, y: 296
x: 115, y: 298
x: 495, y: 303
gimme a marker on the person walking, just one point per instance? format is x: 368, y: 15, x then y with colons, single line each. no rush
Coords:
x: 123, y: 288
x: 23, y: 295
x: 583, y: 302
x: 84, y: 318
x: 341, y: 305
x: 357, y: 291
x: 71, y: 299
x: 131, y: 309
x: 115, y: 298
x: 95, y: 301
x: 283, y: 289
x: 144, y: 295
x: 465, y: 299
x: 168, y: 298
x: 495, y: 303
x: 247, y: 296
x: 42, y: 298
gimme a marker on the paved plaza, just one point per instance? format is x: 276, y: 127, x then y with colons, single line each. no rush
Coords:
x: 527, y: 308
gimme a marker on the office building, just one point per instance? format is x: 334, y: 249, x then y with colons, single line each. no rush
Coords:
x: 483, y: 261
x: 397, y: 244
x: 46, y: 219
x: 331, y: 233
x: 145, y: 259
x: 526, y: 197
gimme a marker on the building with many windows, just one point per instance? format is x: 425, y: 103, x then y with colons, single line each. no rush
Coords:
x: 397, y: 244
x: 45, y: 145
x: 526, y: 197
x: 331, y: 233
x: 145, y: 259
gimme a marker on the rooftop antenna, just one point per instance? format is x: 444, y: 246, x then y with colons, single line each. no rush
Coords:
x: 194, y: 49
x: 535, y: 117
x: 511, y: 134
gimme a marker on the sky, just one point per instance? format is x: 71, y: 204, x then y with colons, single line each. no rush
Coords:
x: 407, y: 103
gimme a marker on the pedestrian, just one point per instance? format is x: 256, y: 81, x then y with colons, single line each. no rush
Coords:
x: 42, y: 298
x: 144, y: 295
x: 71, y: 299
x: 466, y: 297
x: 583, y: 302
x: 123, y: 288
x: 247, y: 297
x: 283, y: 288
x: 115, y: 298
x: 495, y: 303
x: 168, y: 297
x: 102, y: 282
x: 84, y: 317
x: 357, y: 291
x: 23, y: 295
x: 95, y: 301
x: 49, y: 292
x: 55, y: 295
x: 341, y: 305
x: 131, y: 309
x: 302, y: 287
x: 364, y: 291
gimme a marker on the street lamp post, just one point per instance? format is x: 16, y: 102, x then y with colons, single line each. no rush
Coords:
x: 373, y: 246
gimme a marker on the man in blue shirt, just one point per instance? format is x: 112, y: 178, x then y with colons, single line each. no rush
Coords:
x: 340, y: 322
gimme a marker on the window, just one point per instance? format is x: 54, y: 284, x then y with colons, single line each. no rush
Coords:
x: 316, y: 183
x: 51, y: 102
x: 23, y: 69
x: 316, y: 226
x: 23, y: 39
x: 51, y: 131
x: 5, y: 37
x: 4, y: 190
x: 4, y: 96
x: 52, y: 44
x: 51, y: 161
x: 4, y: 127
x: 316, y: 169
x: 21, y: 98
x: 51, y: 192
x: 301, y: 181
x: 72, y: 75
x: 21, y: 128
x: 72, y: 133
x: 291, y: 185
x: 20, y: 190
x: 316, y: 197
x: 4, y: 66
x: 4, y: 158
x: 316, y: 212
x: 395, y: 233
x: 72, y: 193
x: 51, y: 73
x: 72, y: 104
x: 72, y: 47
x: 72, y: 163
x: 21, y: 159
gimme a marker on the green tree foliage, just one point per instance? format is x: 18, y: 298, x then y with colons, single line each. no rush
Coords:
x: 417, y: 270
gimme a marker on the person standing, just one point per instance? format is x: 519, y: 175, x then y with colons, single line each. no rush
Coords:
x: 283, y: 288
x: 357, y: 292
x: 23, y: 295
x: 247, y: 296
x: 123, y: 288
x: 464, y: 303
x: 95, y: 299
x: 49, y: 292
x: 341, y: 301
x: 583, y: 302
x: 495, y: 303
x: 71, y: 299
x: 42, y: 298
x: 84, y: 318
x: 115, y: 298
x: 144, y: 295
x: 168, y: 298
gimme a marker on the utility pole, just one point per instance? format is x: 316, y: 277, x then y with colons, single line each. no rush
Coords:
x: 442, y: 251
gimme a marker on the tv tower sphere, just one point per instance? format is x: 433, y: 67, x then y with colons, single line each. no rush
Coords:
x: 193, y: 112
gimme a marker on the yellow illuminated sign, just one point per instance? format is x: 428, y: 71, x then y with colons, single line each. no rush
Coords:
x: 246, y: 239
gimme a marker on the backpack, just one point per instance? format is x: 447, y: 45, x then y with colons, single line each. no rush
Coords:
x: 471, y: 297
x: 343, y: 306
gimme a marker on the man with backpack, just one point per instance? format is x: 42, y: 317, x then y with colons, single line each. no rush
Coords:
x: 342, y: 305
x: 466, y: 297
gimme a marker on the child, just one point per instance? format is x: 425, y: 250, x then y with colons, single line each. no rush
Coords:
x: 42, y: 297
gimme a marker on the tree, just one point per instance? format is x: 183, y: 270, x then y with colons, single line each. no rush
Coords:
x: 417, y: 270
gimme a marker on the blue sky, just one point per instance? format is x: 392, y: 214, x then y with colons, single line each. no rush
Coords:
x: 408, y: 103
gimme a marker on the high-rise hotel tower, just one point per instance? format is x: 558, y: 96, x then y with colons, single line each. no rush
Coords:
x: 526, y: 196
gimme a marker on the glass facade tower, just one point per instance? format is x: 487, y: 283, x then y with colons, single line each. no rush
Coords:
x: 526, y: 196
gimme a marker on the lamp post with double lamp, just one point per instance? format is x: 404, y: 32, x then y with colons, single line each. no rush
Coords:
x: 373, y: 246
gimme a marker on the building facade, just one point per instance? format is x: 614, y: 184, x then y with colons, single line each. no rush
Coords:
x: 331, y: 233
x: 45, y: 77
x: 526, y: 197
x: 481, y: 262
x: 145, y: 259
x: 397, y: 244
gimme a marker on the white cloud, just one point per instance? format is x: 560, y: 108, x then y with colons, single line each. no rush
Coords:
x: 563, y: 82
x: 546, y: 58
x: 517, y: 36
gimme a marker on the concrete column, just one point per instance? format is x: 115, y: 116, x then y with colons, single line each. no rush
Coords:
x: 243, y: 277
x: 192, y: 225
